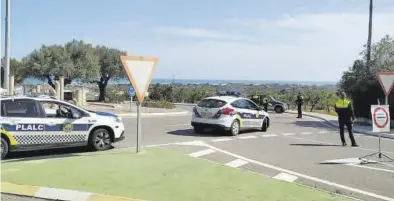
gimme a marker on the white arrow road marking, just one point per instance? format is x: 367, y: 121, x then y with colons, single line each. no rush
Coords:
x: 222, y: 140
x: 286, y: 177
x: 306, y: 133
x: 323, y: 132
x: 288, y: 134
x: 202, y: 153
x: 236, y: 163
x: 247, y: 137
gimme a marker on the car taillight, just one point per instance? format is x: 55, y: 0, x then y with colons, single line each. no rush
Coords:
x: 196, y: 112
x: 227, y: 111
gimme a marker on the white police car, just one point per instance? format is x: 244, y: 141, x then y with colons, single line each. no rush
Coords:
x: 229, y: 113
x: 33, y: 123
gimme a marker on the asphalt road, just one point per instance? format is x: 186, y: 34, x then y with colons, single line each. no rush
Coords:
x: 302, y: 146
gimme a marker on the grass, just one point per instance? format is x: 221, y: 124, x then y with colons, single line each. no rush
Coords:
x: 159, y: 175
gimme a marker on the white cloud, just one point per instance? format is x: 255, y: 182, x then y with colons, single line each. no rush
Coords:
x: 309, y: 46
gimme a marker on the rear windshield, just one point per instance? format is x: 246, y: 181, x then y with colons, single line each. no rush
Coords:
x: 211, y: 103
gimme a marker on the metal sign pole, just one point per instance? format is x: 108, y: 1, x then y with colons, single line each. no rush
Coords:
x: 131, y: 103
x: 138, y: 127
x: 387, y: 100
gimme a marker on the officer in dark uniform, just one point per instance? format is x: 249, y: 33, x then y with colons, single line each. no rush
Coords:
x: 265, y: 103
x: 299, y: 102
x: 345, y: 112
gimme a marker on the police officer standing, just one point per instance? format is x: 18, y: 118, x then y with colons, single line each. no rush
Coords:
x: 345, y: 112
x: 255, y: 98
x: 299, y: 102
x: 265, y: 103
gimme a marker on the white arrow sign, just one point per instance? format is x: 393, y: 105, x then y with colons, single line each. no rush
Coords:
x: 139, y: 70
x: 386, y: 80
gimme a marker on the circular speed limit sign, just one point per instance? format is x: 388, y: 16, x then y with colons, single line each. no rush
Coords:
x: 380, y: 117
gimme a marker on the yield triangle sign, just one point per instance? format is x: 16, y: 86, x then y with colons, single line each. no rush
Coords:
x: 386, y: 80
x: 139, y: 70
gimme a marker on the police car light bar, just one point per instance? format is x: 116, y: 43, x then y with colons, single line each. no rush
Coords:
x: 228, y: 93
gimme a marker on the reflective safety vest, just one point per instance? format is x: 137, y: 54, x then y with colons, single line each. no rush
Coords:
x: 255, y: 97
x: 342, y: 103
x: 265, y: 100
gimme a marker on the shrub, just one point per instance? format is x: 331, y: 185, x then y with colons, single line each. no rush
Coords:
x: 158, y: 104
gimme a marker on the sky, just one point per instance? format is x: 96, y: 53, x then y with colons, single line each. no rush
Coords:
x: 294, y: 40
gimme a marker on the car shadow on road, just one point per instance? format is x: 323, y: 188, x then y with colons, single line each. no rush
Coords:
x: 313, y: 124
x: 191, y: 132
x: 317, y: 145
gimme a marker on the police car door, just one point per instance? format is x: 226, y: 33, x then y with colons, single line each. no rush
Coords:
x: 242, y: 109
x: 20, y: 120
x: 254, y: 110
x: 61, y: 124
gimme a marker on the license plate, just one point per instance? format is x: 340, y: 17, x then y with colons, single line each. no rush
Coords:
x: 205, y: 115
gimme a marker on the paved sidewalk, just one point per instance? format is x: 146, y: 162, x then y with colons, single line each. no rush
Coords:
x: 333, y: 121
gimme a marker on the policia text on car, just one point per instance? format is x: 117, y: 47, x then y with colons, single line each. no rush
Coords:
x: 346, y: 116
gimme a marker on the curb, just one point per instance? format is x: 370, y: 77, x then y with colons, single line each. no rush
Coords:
x: 102, y: 104
x: 154, y: 114
x: 185, y: 104
x: 57, y: 193
x: 383, y: 135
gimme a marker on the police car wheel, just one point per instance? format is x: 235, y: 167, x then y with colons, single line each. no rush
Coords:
x: 234, y: 129
x: 4, y: 148
x: 264, y: 127
x: 198, y: 129
x: 100, y: 140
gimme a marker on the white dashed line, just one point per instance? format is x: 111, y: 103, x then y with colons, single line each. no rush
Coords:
x: 247, y: 137
x: 236, y: 163
x: 286, y: 177
x: 222, y: 140
x: 202, y: 153
x: 288, y: 134
x: 306, y: 133
x: 269, y: 135
x: 323, y: 132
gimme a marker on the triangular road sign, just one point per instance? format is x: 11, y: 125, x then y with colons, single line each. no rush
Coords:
x: 139, y: 70
x: 386, y: 80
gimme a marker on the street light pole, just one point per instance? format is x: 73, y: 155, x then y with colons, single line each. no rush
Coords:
x: 7, y: 49
x: 369, y: 35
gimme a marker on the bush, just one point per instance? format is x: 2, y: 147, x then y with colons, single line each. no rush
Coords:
x: 158, y: 104
x: 116, y: 95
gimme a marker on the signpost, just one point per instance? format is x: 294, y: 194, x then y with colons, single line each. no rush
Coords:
x: 131, y: 93
x: 139, y: 70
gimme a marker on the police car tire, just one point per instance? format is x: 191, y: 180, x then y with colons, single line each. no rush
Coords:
x: 232, y: 130
x: 198, y: 129
x: 93, y: 136
x: 5, y: 151
x: 264, y: 127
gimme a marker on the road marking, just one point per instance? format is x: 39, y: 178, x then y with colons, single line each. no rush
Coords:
x: 202, y: 153
x: 372, y: 168
x: 269, y: 135
x: 306, y: 133
x: 36, y: 161
x: 247, y: 137
x: 301, y: 175
x: 236, y: 163
x: 62, y: 194
x: 323, y: 132
x: 288, y: 134
x: 222, y: 140
x: 286, y: 177
x: 317, y: 141
x: 347, y: 161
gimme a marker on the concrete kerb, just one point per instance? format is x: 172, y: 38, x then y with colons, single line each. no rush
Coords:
x: 101, y: 104
x: 316, y: 116
x: 57, y: 193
